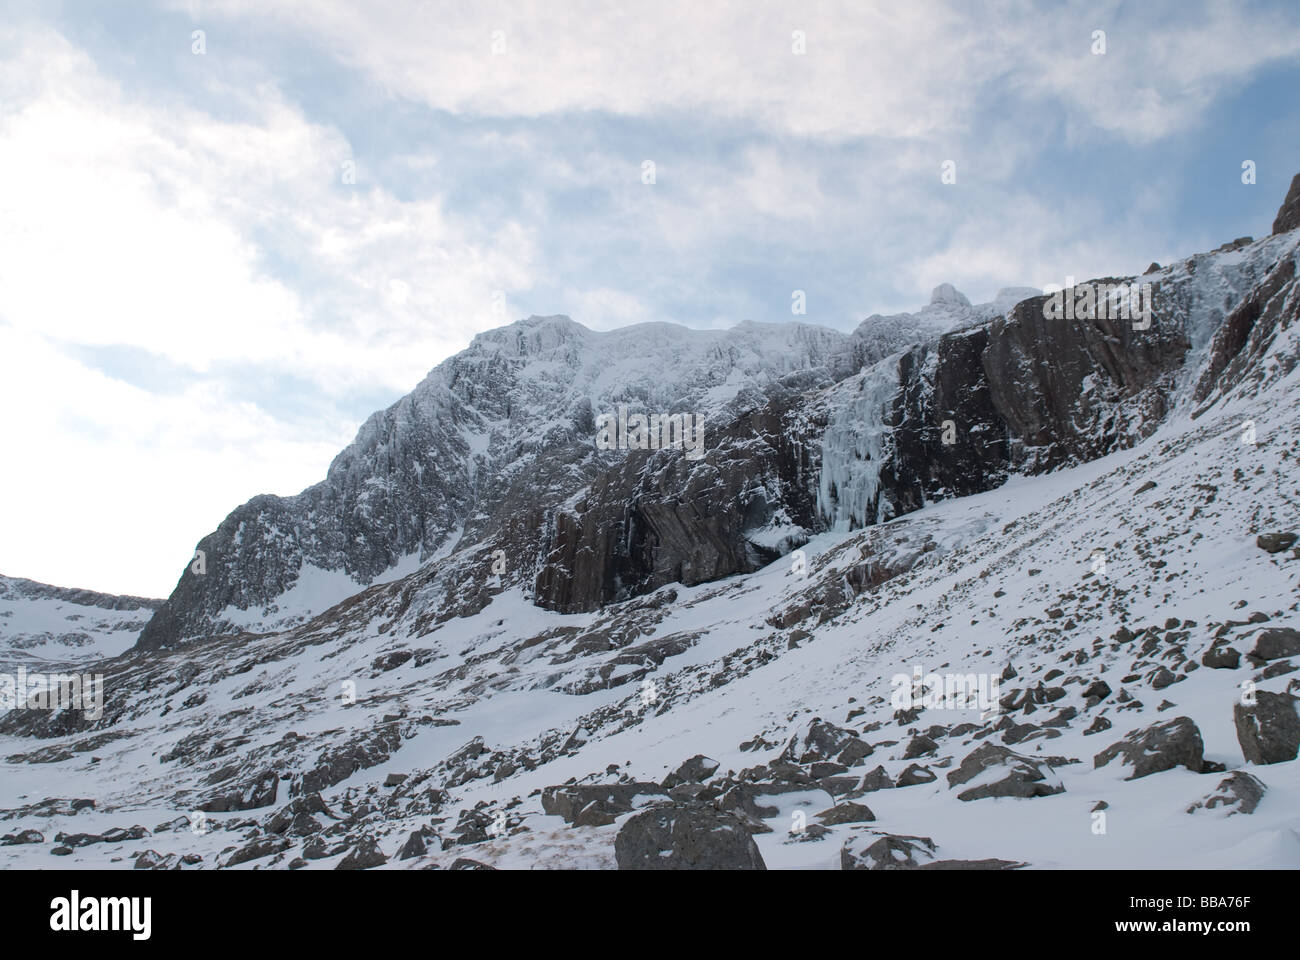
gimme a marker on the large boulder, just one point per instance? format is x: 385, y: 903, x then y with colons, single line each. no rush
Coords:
x: 695, y: 770
x: 686, y: 837
x: 991, y: 770
x: 749, y: 801
x: 1161, y: 746
x: 1268, y: 731
x: 364, y: 855
x: 1275, y: 643
x: 877, y: 850
x: 1236, y: 793
x: 820, y: 740
x: 599, y: 803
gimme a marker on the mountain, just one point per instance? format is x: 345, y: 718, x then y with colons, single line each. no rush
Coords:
x: 759, y: 657
x: 41, y: 624
x: 477, y: 457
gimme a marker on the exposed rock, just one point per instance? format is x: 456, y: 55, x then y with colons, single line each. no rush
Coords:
x: 257, y: 850
x: 685, y: 837
x: 364, y: 855
x: 916, y: 774
x: 253, y: 794
x: 819, y: 740
x: 1275, y: 542
x: 695, y: 770
x: 24, y: 836
x: 994, y: 771
x: 1268, y: 731
x: 919, y: 746
x: 877, y: 850
x: 1288, y: 215
x: 1238, y: 793
x: 846, y: 812
x: 610, y: 799
x: 1221, y: 657
x: 414, y: 846
x: 1274, y: 643
x: 1161, y: 746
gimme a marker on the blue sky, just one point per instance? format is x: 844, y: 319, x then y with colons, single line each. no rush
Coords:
x: 196, y: 308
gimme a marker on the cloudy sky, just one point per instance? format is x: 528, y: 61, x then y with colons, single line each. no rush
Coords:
x: 220, y: 251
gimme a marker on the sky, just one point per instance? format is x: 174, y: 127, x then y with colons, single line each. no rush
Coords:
x: 232, y: 229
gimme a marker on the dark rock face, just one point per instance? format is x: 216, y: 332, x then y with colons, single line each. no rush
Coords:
x: 925, y: 467
x: 1269, y: 731
x: 659, y: 517
x: 1161, y: 746
x: 1076, y: 389
x: 685, y: 837
x: 1016, y: 775
x: 1241, y: 341
x: 495, y: 449
x: 484, y: 450
x: 1288, y: 215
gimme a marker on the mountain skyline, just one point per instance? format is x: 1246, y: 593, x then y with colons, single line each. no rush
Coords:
x: 279, y: 221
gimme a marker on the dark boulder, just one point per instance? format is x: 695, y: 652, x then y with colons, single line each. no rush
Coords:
x: 685, y: 837
x: 1002, y: 773
x: 1269, y: 730
x: 1161, y: 746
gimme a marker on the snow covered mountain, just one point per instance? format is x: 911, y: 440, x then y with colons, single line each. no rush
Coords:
x: 41, y: 624
x: 970, y: 588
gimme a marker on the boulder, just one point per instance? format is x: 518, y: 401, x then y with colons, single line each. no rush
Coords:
x: 916, y: 774
x: 819, y: 740
x: 605, y: 800
x: 877, y: 850
x: 1238, y: 793
x: 1268, y: 731
x: 1275, y: 542
x: 695, y: 770
x: 847, y: 812
x: 1275, y: 643
x: 363, y: 855
x: 1161, y: 746
x: 991, y: 770
x: 1221, y: 657
x: 685, y: 837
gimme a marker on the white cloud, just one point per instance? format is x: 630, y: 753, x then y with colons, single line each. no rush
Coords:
x: 143, y: 225
x: 108, y: 486
x: 911, y: 70
x: 130, y: 224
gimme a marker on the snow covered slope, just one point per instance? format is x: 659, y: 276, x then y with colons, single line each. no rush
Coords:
x: 1126, y: 595
x: 41, y: 624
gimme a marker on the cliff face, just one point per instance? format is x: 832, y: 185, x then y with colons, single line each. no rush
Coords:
x: 806, y: 430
